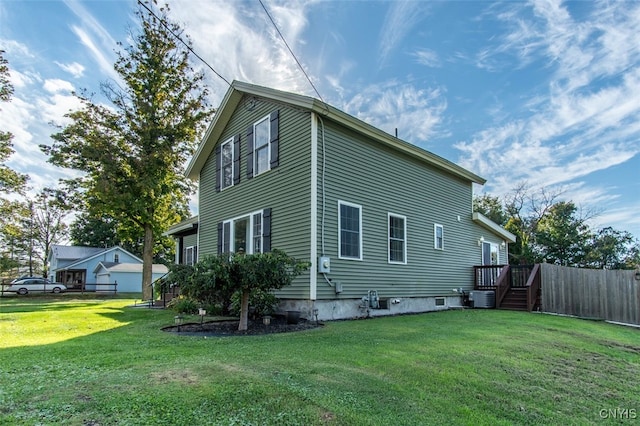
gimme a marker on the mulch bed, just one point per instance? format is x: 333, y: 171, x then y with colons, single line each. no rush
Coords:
x: 230, y: 328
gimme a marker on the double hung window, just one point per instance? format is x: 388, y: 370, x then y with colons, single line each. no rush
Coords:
x: 226, y: 164
x: 263, y: 141
x: 397, y: 238
x: 350, y: 231
x: 262, y: 135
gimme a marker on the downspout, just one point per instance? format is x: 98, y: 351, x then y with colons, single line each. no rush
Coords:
x: 313, y: 276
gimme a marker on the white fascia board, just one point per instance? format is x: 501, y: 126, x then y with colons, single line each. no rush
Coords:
x: 493, y: 227
x: 238, y: 89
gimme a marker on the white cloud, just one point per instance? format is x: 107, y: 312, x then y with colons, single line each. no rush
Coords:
x: 416, y: 113
x: 239, y: 42
x: 399, y: 21
x: 56, y: 85
x: 573, y: 131
x: 427, y: 57
x: 104, y: 61
x: 74, y: 68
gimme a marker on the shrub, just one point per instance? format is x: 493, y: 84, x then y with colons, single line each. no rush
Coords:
x: 183, y: 305
x: 209, y: 283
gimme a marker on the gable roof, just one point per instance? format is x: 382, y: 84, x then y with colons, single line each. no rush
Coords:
x: 73, y: 252
x: 238, y: 89
x: 156, y: 268
x: 97, y: 254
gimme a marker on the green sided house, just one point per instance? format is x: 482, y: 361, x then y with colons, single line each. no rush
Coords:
x: 387, y: 226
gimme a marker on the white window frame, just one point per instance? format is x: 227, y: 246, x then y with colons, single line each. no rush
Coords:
x: 256, y: 171
x: 404, y: 239
x: 222, y: 164
x: 356, y: 206
x: 437, y: 246
x: 252, y: 238
x: 186, y: 255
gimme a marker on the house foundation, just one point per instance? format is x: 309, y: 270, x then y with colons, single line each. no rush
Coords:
x: 341, y: 309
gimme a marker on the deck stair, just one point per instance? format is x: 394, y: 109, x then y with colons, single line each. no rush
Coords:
x: 517, y: 287
x: 515, y: 299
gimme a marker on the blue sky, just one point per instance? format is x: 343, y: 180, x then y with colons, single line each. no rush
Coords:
x: 542, y: 92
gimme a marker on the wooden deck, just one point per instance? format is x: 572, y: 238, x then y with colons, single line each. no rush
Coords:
x: 517, y: 287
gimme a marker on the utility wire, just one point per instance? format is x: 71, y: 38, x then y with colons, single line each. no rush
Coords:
x: 164, y: 24
x: 290, y: 51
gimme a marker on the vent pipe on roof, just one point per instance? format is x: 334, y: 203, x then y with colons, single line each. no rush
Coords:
x: 396, y: 132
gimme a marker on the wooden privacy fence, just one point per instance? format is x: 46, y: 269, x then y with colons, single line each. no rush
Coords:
x: 612, y: 295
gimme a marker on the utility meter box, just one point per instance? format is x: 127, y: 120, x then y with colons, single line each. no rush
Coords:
x: 324, y: 264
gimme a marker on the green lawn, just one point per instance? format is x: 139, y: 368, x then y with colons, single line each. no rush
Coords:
x: 91, y: 361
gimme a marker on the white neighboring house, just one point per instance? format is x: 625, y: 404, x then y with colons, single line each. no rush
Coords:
x: 98, y: 269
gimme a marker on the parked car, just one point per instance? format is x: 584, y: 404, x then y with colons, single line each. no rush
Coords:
x: 24, y: 277
x: 36, y: 285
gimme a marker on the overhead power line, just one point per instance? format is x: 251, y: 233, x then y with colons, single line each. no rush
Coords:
x: 290, y: 51
x: 164, y: 24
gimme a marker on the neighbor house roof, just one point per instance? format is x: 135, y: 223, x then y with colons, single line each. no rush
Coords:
x: 100, y: 252
x: 238, y: 89
x: 74, y: 252
x: 157, y: 268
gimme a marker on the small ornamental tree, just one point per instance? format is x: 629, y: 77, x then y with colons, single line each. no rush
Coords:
x: 216, y: 279
x: 262, y: 272
x: 206, y: 282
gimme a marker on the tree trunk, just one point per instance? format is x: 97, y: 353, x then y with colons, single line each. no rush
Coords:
x: 244, y: 311
x: 147, y: 263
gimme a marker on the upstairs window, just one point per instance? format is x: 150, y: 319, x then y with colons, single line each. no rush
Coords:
x: 263, y: 141
x: 226, y: 164
x: 397, y: 238
x: 116, y: 258
x: 261, y: 135
x: 350, y: 231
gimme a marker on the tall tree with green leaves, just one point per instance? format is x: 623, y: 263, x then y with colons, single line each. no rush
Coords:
x: 491, y: 207
x: 10, y: 180
x: 609, y: 248
x: 561, y: 235
x: 48, y: 211
x: 14, y: 237
x: 134, y: 150
x: 93, y: 231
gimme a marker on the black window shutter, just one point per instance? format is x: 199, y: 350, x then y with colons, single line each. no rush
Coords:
x: 219, y: 237
x: 226, y: 233
x: 218, y: 166
x: 236, y: 159
x: 266, y: 230
x: 195, y: 254
x: 250, y: 152
x: 275, y: 139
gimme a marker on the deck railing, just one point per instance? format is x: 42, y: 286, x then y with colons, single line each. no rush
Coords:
x: 486, y: 276
x: 501, y: 278
x: 533, y: 286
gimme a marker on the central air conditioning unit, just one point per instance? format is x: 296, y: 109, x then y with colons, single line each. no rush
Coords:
x: 482, y: 299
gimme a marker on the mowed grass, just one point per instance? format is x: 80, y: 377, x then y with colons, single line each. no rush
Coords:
x: 89, y: 361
